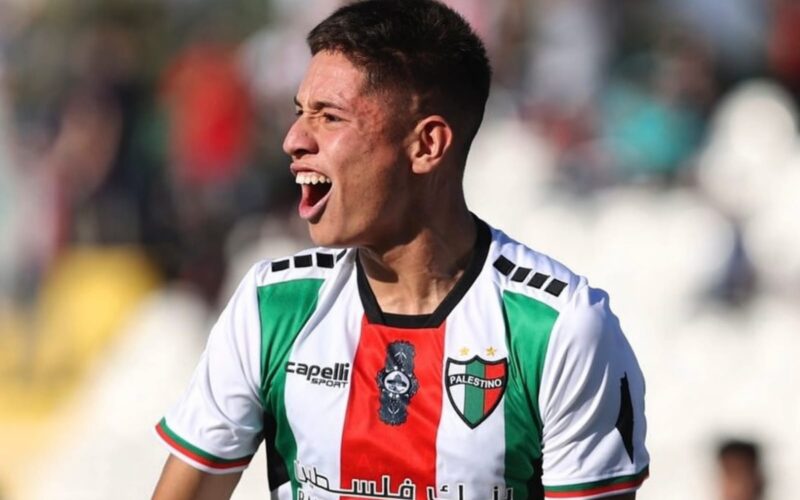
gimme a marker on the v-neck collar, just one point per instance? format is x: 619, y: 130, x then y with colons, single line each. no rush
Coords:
x: 376, y: 316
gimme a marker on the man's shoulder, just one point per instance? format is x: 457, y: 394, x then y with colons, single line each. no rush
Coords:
x: 313, y: 263
x: 579, y: 313
x: 520, y: 269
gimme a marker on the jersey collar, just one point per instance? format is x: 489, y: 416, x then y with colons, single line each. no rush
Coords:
x: 434, y: 319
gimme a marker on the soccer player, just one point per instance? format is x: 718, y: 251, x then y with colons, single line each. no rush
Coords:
x: 417, y: 353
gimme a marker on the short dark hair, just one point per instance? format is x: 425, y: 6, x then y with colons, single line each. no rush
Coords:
x: 741, y: 448
x: 417, y: 45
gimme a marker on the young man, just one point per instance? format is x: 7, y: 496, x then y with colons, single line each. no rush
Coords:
x: 418, y: 353
x: 740, y: 473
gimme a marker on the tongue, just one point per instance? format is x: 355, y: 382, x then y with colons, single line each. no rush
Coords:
x: 311, y: 195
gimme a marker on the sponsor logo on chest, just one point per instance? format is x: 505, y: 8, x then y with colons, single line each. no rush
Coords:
x: 397, y: 382
x: 334, y: 376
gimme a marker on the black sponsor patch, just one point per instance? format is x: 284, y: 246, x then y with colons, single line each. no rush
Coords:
x: 397, y: 383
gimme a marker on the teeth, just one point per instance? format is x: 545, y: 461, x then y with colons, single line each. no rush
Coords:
x: 311, y: 178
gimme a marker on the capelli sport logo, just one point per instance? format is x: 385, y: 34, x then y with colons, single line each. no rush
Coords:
x: 329, y: 376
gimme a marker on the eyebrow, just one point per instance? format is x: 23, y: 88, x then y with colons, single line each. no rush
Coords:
x: 316, y: 105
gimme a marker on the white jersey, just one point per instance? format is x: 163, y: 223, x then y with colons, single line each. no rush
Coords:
x: 520, y: 385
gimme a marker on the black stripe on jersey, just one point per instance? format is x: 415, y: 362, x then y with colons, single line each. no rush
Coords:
x: 555, y: 287
x: 503, y: 265
x: 625, y: 418
x: 325, y: 260
x: 341, y: 254
x: 538, y: 280
x: 535, y: 485
x: 302, y: 261
x: 520, y: 274
x: 280, y: 265
x: 276, y: 465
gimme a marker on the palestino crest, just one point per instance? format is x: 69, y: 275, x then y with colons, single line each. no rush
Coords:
x: 475, y: 387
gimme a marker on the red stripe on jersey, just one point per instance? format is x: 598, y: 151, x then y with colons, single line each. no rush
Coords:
x: 492, y: 395
x: 372, y: 448
x: 219, y: 463
x: 631, y: 484
x: 594, y: 491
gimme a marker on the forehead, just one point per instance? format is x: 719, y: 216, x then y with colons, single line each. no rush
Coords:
x: 331, y: 77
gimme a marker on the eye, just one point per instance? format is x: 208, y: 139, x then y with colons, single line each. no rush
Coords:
x: 329, y: 118
x: 298, y: 111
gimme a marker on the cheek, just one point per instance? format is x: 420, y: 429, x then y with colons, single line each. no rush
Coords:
x: 340, y: 148
x: 367, y: 172
x: 365, y: 161
x: 350, y: 157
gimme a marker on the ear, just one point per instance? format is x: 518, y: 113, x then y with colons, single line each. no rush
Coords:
x: 430, y: 141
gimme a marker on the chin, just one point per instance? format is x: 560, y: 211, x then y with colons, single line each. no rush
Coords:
x: 325, y: 237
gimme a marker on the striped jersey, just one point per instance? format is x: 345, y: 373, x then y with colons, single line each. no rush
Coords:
x: 520, y: 385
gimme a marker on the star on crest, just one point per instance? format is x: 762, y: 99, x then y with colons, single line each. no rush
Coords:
x: 463, y: 351
x: 491, y: 351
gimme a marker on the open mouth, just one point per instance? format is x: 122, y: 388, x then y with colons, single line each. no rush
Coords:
x: 315, y: 191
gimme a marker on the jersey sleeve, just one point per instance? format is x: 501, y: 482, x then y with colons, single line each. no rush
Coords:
x: 216, y: 424
x: 592, y: 405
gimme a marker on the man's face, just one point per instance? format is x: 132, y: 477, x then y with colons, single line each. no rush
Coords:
x: 740, y: 478
x: 348, y: 156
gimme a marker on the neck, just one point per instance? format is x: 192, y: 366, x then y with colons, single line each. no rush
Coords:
x: 413, y: 277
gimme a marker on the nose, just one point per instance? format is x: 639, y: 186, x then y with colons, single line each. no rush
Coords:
x: 299, y: 140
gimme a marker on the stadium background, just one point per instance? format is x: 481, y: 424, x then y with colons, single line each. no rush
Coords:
x: 651, y: 145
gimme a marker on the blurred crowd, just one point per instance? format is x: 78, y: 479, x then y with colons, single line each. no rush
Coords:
x: 140, y: 148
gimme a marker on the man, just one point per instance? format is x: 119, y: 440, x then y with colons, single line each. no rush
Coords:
x: 431, y: 357
x: 740, y: 473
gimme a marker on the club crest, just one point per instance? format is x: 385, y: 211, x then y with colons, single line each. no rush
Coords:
x: 397, y: 383
x: 475, y: 387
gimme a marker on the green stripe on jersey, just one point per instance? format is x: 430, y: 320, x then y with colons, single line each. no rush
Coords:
x: 284, y: 308
x: 473, y: 396
x: 622, y: 482
x: 529, y: 324
x: 190, y: 449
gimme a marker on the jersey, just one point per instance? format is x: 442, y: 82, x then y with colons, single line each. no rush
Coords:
x: 520, y: 385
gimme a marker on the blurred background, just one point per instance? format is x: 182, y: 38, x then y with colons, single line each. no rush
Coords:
x: 651, y: 145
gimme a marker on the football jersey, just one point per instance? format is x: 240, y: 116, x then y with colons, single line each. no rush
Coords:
x: 520, y: 385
